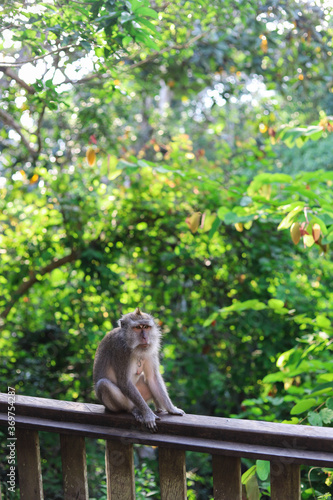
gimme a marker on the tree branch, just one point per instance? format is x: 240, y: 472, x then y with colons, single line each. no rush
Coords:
x: 39, y: 129
x: 7, y: 27
x: 20, y: 63
x: 15, y: 77
x: 27, y: 283
x: 6, y: 118
x: 86, y: 79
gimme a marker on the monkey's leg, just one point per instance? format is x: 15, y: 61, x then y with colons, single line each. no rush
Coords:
x: 146, y: 393
x: 160, y: 394
x: 112, y: 397
x: 143, y: 388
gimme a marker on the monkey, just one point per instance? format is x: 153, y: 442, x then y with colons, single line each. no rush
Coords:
x: 126, y: 370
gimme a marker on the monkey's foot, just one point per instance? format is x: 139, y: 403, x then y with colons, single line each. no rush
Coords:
x: 176, y: 411
x: 138, y: 415
x: 149, y: 420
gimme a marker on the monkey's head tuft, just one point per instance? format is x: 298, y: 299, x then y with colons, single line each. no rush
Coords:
x: 137, y: 317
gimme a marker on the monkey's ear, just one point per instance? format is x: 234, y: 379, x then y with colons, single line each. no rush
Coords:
x: 138, y: 312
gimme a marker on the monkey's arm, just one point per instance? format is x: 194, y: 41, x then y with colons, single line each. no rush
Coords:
x: 141, y: 410
x: 158, y: 389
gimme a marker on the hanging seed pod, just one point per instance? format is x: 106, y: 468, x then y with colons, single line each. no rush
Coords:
x: 316, y: 231
x: 295, y: 232
x: 91, y: 156
x: 193, y: 222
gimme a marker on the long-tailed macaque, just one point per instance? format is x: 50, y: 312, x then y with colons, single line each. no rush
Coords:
x: 126, y: 369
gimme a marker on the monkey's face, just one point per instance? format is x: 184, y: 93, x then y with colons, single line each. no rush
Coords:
x: 142, y: 332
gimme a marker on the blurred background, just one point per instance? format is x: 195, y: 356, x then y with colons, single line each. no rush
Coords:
x: 157, y: 155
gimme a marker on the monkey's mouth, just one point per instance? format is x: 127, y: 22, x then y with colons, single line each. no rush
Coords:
x: 144, y: 346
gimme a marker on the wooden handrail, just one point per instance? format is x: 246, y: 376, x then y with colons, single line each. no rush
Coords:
x: 285, y: 446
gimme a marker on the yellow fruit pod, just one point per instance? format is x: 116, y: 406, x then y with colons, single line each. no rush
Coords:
x: 295, y: 232
x: 316, y: 231
x: 91, y: 156
x: 34, y: 179
x: 308, y: 240
x: 193, y: 222
x: 239, y: 227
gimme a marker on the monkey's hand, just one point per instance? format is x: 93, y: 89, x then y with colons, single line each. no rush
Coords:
x: 149, y: 420
x: 176, y: 411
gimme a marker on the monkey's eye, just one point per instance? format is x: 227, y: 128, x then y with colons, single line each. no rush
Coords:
x: 141, y: 327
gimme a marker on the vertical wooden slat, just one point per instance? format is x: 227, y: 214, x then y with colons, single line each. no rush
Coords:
x: 74, y: 467
x: 172, y: 468
x: 227, y: 481
x: 119, y: 470
x: 285, y: 481
x: 29, y: 465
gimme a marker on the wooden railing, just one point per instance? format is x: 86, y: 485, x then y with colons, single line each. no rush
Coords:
x: 227, y: 440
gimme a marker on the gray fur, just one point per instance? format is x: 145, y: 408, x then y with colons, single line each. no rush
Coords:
x: 119, y: 383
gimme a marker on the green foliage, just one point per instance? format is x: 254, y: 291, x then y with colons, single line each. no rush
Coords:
x: 160, y: 154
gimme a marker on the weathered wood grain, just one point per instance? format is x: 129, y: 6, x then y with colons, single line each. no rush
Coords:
x: 218, y: 436
x: 218, y: 447
x: 29, y: 464
x: 119, y: 465
x: 284, y: 436
x: 74, y: 467
x: 285, y: 481
x: 172, y: 468
x: 227, y: 478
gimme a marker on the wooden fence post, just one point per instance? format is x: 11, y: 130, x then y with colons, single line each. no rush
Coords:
x: 172, y: 467
x: 28, y: 464
x: 227, y: 478
x: 74, y: 467
x: 119, y: 470
x: 285, y: 481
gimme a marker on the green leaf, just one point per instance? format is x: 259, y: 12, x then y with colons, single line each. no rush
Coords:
x: 288, y: 220
x: 126, y: 164
x: 208, y: 221
x: 149, y: 25
x: 210, y: 319
x: 238, y: 306
x: 321, y: 224
x: 271, y: 378
x: 252, y: 489
x: 222, y: 211
x: 214, y: 228
x: 322, y: 321
x: 126, y: 17
x: 263, y: 468
x: 314, y: 419
x: 321, y: 387
x: 248, y: 474
x: 275, y: 303
x: 142, y: 37
x: 85, y: 45
x: 262, y: 179
x: 146, y: 11
x: 329, y: 403
x: 326, y: 415
x: 329, y: 237
x: 293, y: 421
x: 303, y: 406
